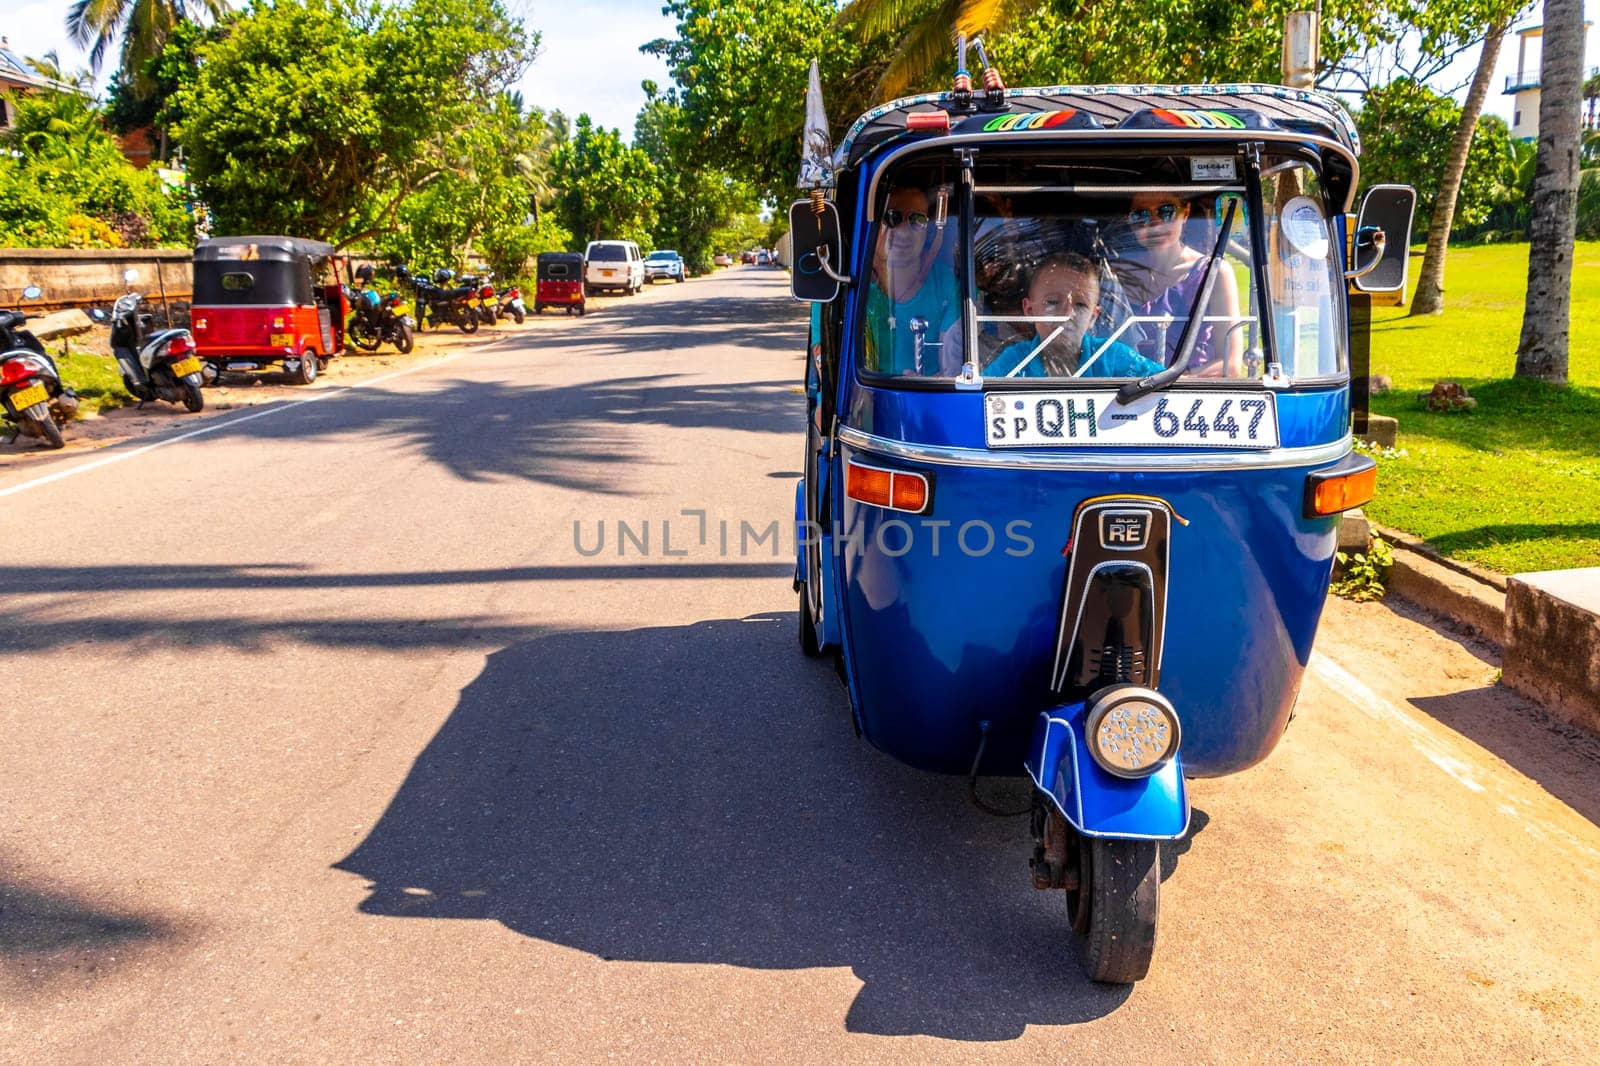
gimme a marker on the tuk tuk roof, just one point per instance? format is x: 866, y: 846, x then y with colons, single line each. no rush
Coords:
x: 1117, y: 107
x: 264, y: 247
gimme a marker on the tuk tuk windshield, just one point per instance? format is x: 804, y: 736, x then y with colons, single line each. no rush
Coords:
x: 1093, y: 268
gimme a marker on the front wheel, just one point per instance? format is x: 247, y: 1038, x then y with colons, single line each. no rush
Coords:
x: 404, y: 340
x: 193, y: 401
x: 362, y: 337
x: 1113, y: 908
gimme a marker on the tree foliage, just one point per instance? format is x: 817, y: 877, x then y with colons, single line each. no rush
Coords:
x: 697, y: 202
x: 1406, y: 133
x: 608, y: 190
x: 145, y: 27
x: 741, y: 68
x: 65, y: 183
x: 321, y: 118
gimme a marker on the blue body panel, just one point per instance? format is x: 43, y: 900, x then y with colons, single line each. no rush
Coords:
x: 1094, y: 802
x: 937, y: 634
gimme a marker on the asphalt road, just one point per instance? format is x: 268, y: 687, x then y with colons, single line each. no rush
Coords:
x: 326, y: 740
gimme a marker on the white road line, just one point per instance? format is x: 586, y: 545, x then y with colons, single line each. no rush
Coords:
x: 221, y: 424
x: 1437, y: 751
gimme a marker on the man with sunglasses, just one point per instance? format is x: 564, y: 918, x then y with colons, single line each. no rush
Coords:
x: 913, y: 297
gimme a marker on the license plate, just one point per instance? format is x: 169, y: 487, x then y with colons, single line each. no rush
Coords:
x: 1160, y: 420
x: 280, y: 340
x: 29, y: 396
x: 184, y: 367
x: 609, y: 273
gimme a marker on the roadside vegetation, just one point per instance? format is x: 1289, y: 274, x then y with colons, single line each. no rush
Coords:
x: 1512, y: 483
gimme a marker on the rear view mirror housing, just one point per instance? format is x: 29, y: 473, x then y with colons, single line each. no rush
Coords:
x: 818, y: 251
x: 1381, y: 252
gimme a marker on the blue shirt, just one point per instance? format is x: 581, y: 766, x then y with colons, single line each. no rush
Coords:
x: 891, y: 346
x: 1117, y: 360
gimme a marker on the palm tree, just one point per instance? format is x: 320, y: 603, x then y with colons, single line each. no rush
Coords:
x: 926, y: 30
x: 144, y: 26
x: 1429, y: 298
x: 1547, y: 312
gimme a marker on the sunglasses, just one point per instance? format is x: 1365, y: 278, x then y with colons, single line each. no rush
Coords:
x: 1144, y: 215
x: 894, y: 218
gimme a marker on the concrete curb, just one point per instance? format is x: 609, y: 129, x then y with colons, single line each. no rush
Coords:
x: 1465, y: 594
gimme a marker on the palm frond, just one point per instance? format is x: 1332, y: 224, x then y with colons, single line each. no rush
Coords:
x: 929, y: 43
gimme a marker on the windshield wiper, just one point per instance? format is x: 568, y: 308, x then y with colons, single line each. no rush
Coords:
x: 1191, y: 329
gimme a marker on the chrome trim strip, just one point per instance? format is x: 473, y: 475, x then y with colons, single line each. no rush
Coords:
x: 1122, y: 461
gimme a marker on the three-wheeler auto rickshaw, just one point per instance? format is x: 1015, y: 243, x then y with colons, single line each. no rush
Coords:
x: 260, y: 301
x: 558, y: 282
x: 1077, y: 446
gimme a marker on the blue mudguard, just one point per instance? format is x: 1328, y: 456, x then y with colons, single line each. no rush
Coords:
x: 1094, y: 802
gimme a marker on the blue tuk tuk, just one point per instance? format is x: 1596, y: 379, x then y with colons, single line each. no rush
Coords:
x: 1077, y: 446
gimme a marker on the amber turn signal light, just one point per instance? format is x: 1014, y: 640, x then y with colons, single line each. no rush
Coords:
x: 895, y: 489
x: 1351, y: 483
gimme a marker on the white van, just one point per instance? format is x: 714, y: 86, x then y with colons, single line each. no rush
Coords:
x: 612, y: 265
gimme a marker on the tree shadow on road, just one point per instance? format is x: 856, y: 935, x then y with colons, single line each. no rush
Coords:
x: 47, y: 936
x: 646, y: 796
x: 570, y: 436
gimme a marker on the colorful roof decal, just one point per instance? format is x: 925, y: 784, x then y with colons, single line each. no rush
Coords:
x: 1280, y: 105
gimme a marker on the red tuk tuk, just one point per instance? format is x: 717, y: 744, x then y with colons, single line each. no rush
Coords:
x: 558, y: 282
x: 260, y: 301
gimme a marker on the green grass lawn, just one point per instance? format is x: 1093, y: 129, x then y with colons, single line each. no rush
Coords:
x: 1514, y: 484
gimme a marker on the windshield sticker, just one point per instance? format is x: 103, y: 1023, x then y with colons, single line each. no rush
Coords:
x: 1241, y: 216
x: 1213, y: 168
x: 1305, y: 227
x: 1038, y: 120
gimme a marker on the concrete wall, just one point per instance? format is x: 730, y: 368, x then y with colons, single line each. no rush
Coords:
x: 1552, y: 641
x: 91, y: 275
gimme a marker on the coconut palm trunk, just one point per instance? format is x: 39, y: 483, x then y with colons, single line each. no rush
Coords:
x: 1429, y: 298
x: 1542, y: 351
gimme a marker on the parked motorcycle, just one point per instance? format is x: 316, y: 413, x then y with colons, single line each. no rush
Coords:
x: 31, y: 394
x: 437, y: 304
x: 155, y: 366
x: 484, y: 302
x: 381, y: 320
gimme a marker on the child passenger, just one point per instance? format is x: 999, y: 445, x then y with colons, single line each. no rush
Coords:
x: 1064, y: 294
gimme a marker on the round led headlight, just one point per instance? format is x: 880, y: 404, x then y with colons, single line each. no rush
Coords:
x: 1132, y: 731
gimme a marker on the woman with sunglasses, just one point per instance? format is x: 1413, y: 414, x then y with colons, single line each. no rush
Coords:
x: 913, y: 298
x: 1162, y: 276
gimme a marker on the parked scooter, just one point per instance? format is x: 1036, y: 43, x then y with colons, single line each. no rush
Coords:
x: 31, y: 393
x: 511, y: 304
x: 483, y: 301
x: 155, y: 366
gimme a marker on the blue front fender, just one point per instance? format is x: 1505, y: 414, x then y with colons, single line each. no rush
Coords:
x: 1094, y: 802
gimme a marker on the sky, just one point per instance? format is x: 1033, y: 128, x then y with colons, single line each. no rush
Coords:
x: 590, y: 61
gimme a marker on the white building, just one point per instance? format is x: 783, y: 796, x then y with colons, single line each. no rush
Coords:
x: 1524, y: 84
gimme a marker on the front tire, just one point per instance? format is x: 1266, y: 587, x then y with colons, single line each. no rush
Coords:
x: 362, y: 337
x: 193, y: 401
x: 1113, y: 909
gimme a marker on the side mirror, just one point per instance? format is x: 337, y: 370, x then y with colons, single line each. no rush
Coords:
x: 818, y: 252
x: 130, y: 276
x: 1382, y: 251
x: 32, y: 292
